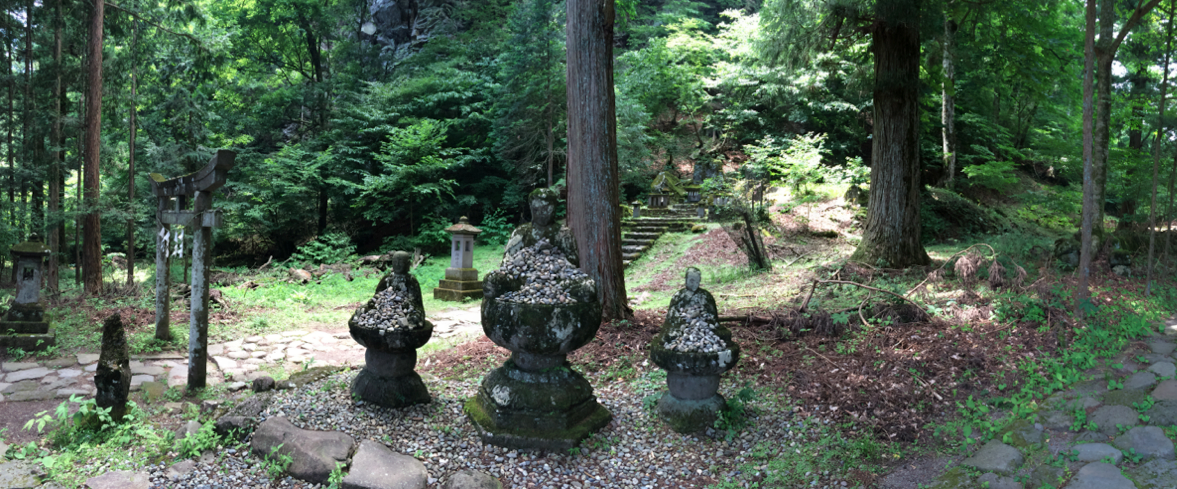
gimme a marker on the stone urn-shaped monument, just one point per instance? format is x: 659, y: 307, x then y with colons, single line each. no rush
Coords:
x: 694, y: 350
x: 392, y: 326
x: 541, y: 307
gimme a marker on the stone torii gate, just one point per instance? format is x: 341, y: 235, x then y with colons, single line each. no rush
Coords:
x: 173, y: 198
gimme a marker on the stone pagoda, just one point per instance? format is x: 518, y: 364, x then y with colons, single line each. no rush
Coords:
x: 24, y: 325
x: 461, y: 279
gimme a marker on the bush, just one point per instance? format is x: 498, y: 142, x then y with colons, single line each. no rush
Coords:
x: 495, y: 228
x: 329, y: 248
x: 997, y: 175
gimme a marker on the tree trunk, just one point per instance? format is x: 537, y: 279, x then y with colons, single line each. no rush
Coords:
x: 323, y: 201
x: 947, y: 91
x: 53, y: 275
x: 1169, y: 212
x: 131, y: 165
x: 891, y: 235
x: 593, y: 180
x: 1156, y: 152
x: 33, y: 147
x: 1090, y: 207
x: 92, y: 235
x: 11, y: 57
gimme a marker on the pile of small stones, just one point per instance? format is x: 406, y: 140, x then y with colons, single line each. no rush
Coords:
x: 696, y: 333
x: 547, y: 275
x: 392, y: 312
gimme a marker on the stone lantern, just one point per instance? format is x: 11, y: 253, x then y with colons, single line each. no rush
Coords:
x: 637, y: 209
x: 461, y: 279
x: 24, y: 326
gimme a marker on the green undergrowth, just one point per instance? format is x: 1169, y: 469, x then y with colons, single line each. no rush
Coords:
x: 1109, y: 328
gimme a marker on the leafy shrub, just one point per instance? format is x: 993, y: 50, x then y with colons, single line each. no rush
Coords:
x: 329, y: 248
x: 997, y: 175
x: 495, y: 228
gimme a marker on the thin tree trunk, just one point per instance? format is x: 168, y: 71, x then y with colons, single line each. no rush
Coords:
x: 78, y: 204
x: 53, y: 277
x: 32, y: 180
x: 948, y: 90
x: 891, y: 235
x: 593, y: 179
x: 1156, y: 153
x: 11, y: 123
x: 131, y: 165
x: 92, y: 236
x: 1169, y: 211
x: 1087, y: 221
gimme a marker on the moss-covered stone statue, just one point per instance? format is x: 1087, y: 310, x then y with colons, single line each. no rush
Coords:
x: 392, y: 326
x: 694, y: 350
x: 541, y: 307
x: 543, y: 228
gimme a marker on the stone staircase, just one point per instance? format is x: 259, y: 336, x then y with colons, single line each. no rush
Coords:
x: 638, y: 235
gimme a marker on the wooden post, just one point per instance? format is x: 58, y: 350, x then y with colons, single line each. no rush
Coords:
x: 198, y: 330
x: 163, y: 279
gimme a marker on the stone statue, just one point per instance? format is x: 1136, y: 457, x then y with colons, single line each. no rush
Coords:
x: 543, y: 209
x: 695, y: 350
x: 392, y: 326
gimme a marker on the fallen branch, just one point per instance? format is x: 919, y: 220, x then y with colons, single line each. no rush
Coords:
x: 860, y: 304
x: 805, y: 303
x: 876, y: 289
x: 266, y: 264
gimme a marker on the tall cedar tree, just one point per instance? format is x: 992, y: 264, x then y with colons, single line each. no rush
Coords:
x: 892, y: 232
x: 593, y: 180
x: 92, y: 235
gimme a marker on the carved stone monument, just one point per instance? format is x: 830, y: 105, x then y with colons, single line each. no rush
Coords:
x: 541, y: 307
x: 461, y: 279
x: 392, y: 326
x: 694, y: 350
x: 173, y: 195
x: 24, y: 325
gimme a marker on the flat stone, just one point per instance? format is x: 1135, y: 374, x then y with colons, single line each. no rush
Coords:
x: 4, y: 386
x: 1098, y: 475
x: 1163, y: 369
x: 236, y: 386
x: 1163, y: 413
x: 1154, y: 474
x: 1161, y: 347
x: 253, y: 339
x: 69, y: 373
x: 120, y: 479
x: 313, y: 453
x: 377, y: 467
x: 153, y: 390
x: 174, y: 472
x: 48, y: 379
x: 258, y: 354
x: 93, y: 367
x: 28, y: 385
x: 1165, y: 391
x: 1056, y: 420
x: 989, y: 480
x: 20, y: 475
x: 1125, y: 397
x: 1096, y: 452
x: 224, y: 363
x: 238, y: 355
x: 26, y: 374
x: 472, y: 479
x: 147, y: 370
x: 1088, y: 402
x: 995, y: 456
x: 140, y: 379
x: 1148, y: 441
x: 59, y: 362
x: 249, y: 347
x: 87, y: 358
x: 15, y: 366
x: 1107, y: 418
x: 37, y: 395
x: 1023, y: 434
x: 1140, y: 380
x: 58, y: 384
x: 297, y: 332
x: 74, y: 392
x: 218, y: 349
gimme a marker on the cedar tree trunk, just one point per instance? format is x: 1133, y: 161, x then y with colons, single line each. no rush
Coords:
x: 92, y: 235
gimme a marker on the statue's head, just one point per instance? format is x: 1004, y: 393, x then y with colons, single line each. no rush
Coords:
x: 400, y: 262
x: 543, y: 206
x: 694, y: 278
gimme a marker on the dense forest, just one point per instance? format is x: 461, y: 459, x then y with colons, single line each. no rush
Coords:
x: 377, y: 123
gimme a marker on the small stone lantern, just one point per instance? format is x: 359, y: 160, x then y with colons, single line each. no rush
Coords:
x: 461, y: 279
x: 637, y: 209
x: 24, y: 326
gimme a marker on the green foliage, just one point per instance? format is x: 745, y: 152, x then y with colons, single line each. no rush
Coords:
x: 996, y: 175
x: 275, y: 463
x: 495, y: 228
x: 197, y: 443
x: 329, y: 248
x: 733, y: 418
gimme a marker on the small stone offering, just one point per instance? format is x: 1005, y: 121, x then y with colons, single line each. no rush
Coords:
x: 694, y: 350
x: 392, y: 326
x: 113, y: 376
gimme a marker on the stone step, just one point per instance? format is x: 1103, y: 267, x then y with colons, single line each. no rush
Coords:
x: 641, y: 235
x: 630, y: 256
x: 639, y: 249
x: 645, y: 243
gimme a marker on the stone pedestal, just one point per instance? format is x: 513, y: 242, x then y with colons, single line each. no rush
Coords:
x: 459, y: 284
x: 388, y: 378
x: 535, y: 400
x: 693, y: 402
x: 24, y: 326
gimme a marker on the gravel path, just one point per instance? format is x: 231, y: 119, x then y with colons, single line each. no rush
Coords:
x: 635, y: 451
